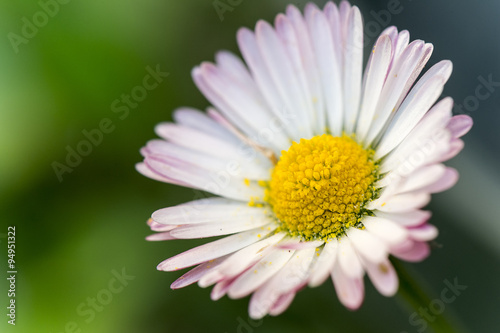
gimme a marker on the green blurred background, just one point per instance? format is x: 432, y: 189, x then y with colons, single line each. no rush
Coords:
x: 74, y: 235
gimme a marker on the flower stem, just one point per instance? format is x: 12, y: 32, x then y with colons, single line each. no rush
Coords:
x: 415, y: 298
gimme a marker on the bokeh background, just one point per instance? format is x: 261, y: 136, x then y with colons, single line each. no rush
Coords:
x: 74, y: 235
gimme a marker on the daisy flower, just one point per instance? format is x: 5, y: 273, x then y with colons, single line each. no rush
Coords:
x: 318, y: 169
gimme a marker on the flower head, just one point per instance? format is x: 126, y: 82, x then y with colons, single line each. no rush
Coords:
x: 319, y: 169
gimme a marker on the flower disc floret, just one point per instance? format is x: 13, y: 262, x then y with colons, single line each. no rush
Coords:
x: 319, y: 187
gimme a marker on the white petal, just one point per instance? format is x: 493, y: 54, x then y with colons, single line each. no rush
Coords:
x: 212, y: 250
x: 251, y: 148
x: 161, y: 236
x: 426, y: 54
x: 423, y: 233
x: 350, y: 291
x: 401, y: 42
x: 220, y: 183
x: 447, y: 180
x: 290, y: 278
x: 367, y: 245
x: 196, y: 273
x: 293, y: 42
x: 400, y: 203
x: 198, y: 120
x: 336, y: 23
x: 145, y: 170
x: 212, y: 277
x: 220, y: 289
x: 385, y: 229
x: 426, y: 143
x: 392, y: 33
x: 422, y: 178
x: 253, y: 57
x: 323, y: 265
x: 417, y: 251
x: 236, y: 166
x: 204, y: 210
x: 281, y: 304
x: 241, y: 260
x: 348, y: 260
x: 155, y: 226
x: 353, y: 61
x: 383, y: 277
x: 373, y: 82
x: 249, y: 108
x: 232, y: 66
x: 299, y: 245
x: 295, y: 273
x: 310, y: 68
x: 327, y: 60
x: 417, y: 103
x: 204, y: 230
x: 394, y: 87
x: 262, y: 300
x: 455, y: 147
x: 344, y: 10
x: 460, y: 125
x: 259, y: 273
x: 218, y: 101
x: 406, y: 219
x: 197, y: 140
x: 282, y: 72
x: 437, y: 117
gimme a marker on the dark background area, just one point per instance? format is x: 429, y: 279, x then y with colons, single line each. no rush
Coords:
x: 74, y: 234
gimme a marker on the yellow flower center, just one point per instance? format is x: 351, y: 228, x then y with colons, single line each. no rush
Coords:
x: 319, y: 187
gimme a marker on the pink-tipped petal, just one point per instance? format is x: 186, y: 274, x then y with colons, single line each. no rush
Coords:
x: 422, y: 178
x: 460, y: 125
x: 350, y: 291
x: 418, y: 251
x: 416, y: 104
x: 383, y: 277
x: 262, y: 300
x: 160, y: 236
x: 155, y: 226
x: 445, y: 182
x: 282, y: 304
x: 424, y: 233
x: 454, y: 148
x: 211, y: 250
x: 406, y: 219
x: 147, y: 171
x: 196, y: 273
x: 221, y: 288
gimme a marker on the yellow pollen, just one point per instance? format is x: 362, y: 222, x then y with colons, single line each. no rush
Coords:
x: 319, y: 187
